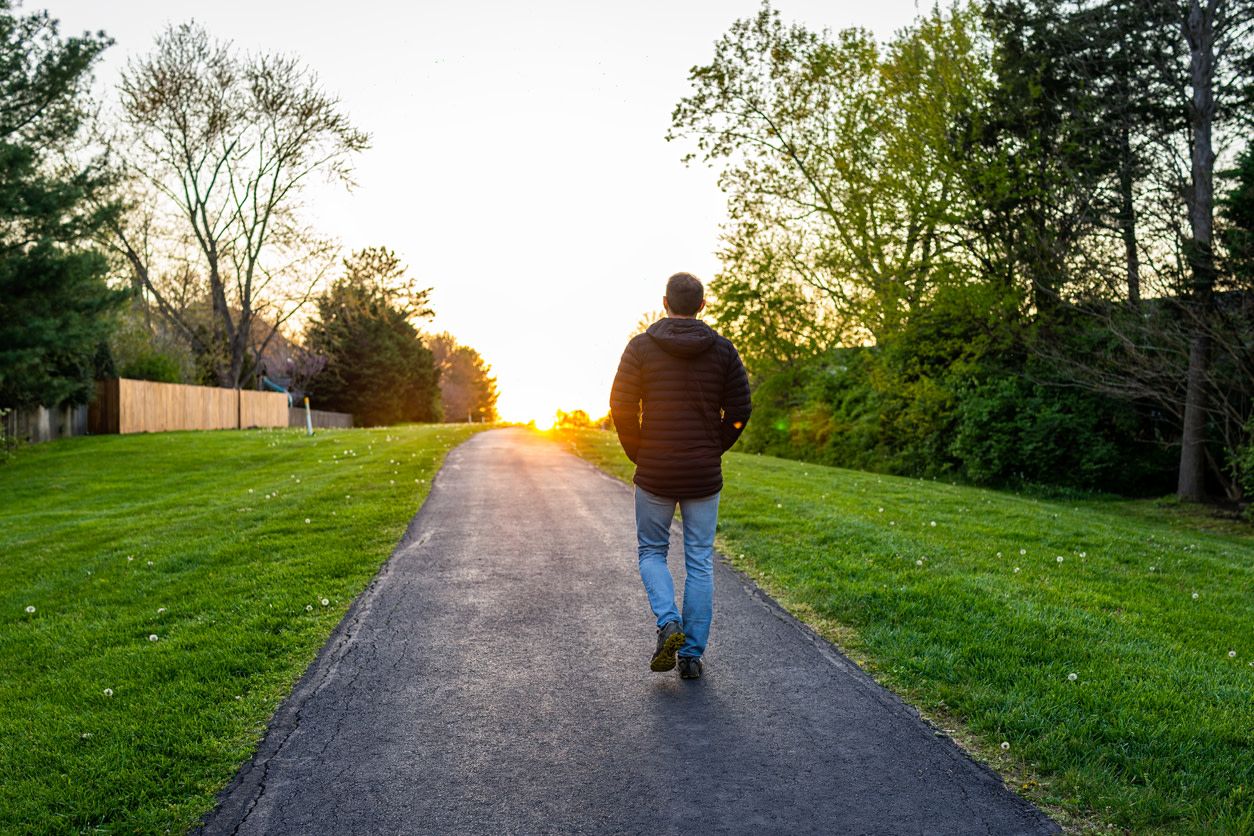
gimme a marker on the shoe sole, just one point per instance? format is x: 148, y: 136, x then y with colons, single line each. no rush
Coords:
x: 664, y: 659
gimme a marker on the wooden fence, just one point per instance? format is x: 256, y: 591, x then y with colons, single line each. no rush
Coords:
x: 320, y: 417
x: 141, y: 406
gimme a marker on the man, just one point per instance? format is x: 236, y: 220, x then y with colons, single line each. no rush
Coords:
x: 680, y: 400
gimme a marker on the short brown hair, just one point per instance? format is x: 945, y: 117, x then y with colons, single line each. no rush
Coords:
x: 684, y: 293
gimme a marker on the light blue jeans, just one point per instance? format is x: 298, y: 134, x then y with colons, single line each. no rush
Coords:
x: 653, y: 532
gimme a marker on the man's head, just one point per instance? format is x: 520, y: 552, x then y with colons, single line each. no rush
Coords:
x: 685, y: 295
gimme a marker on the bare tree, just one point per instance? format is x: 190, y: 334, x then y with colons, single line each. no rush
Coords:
x: 226, y: 144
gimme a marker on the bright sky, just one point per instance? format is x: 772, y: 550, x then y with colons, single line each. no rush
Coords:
x: 519, y: 163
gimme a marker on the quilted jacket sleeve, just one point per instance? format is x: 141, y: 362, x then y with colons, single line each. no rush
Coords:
x: 625, y: 401
x: 737, y: 402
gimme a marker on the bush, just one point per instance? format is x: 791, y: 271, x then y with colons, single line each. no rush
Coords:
x: 1008, y: 430
x: 155, y: 367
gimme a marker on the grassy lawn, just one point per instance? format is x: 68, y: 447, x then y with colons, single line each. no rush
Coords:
x: 1099, y: 654
x: 160, y: 594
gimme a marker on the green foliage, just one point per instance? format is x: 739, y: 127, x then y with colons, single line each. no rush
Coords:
x: 955, y: 598
x: 54, y: 302
x: 1011, y: 431
x: 200, y: 539
x: 377, y: 367
x: 157, y: 367
x: 467, y: 389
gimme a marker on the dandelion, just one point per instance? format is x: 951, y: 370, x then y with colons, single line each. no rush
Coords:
x: 309, y: 608
x: 999, y: 554
x: 250, y: 490
x: 1005, y: 744
x: 306, y: 519
x: 153, y: 637
x: 933, y: 522
x: 892, y: 522
x: 779, y: 505
x: 1023, y: 551
x: 150, y: 563
x: 325, y: 602
x: 346, y: 496
x: 1016, y: 568
x: 1194, y: 596
x: 1232, y: 654
x: 85, y: 736
x: 1083, y: 554
x: 129, y: 558
x: 881, y: 510
x: 1060, y: 558
x: 267, y: 496
x: 30, y: 609
x: 108, y: 692
x: 1072, y: 677
x: 918, y: 563
x: 160, y: 610
x: 391, y: 481
x: 1151, y: 568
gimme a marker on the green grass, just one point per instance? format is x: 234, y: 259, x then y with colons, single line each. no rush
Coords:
x: 955, y: 598
x: 238, y: 551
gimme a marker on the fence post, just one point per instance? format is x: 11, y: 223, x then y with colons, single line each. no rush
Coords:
x: 308, y: 417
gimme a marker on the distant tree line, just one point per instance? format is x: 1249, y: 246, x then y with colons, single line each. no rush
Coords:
x: 1015, y: 244
x: 167, y: 242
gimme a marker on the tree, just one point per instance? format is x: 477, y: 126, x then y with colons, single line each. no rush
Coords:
x: 376, y: 366
x: 227, y: 143
x: 55, y: 304
x: 836, y: 158
x: 467, y: 388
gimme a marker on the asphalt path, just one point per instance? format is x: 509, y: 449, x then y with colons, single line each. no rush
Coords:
x: 494, y: 679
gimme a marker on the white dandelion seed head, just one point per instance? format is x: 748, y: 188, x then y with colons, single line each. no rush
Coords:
x: 325, y: 602
x: 306, y: 519
x: 1023, y: 551
x: 1194, y: 596
x: 150, y: 563
x: 108, y: 692
x: 1060, y: 558
x: 1072, y: 677
x: 129, y: 559
x: 918, y: 563
x: 160, y: 610
x: 1083, y: 554
x: 239, y: 698
x: 153, y: 637
x: 933, y: 522
x: 999, y: 554
x: 779, y: 505
x: 308, y: 607
x: 250, y: 490
x: 1016, y: 568
x: 1005, y: 744
x: 30, y: 609
x: 1232, y: 654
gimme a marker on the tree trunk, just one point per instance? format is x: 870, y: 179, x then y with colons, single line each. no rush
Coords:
x: 1127, y: 220
x: 1199, y: 30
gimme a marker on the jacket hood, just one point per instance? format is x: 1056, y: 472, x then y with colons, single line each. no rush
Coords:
x: 682, y: 337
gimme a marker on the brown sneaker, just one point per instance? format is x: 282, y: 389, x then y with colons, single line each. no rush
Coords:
x: 670, y: 637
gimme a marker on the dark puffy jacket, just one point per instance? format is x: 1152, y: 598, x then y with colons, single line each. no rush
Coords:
x: 680, y: 399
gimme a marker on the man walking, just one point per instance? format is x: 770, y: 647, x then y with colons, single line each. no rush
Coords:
x: 680, y: 400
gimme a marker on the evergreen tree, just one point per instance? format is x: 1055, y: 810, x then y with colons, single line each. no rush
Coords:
x: 376, y: 366
x: 55, y: 305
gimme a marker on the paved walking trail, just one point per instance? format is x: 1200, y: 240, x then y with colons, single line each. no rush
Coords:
x: 494, y: 679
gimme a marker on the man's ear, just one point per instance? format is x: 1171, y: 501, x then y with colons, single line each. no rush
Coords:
x: 700, y: 307
x: 665, y: 307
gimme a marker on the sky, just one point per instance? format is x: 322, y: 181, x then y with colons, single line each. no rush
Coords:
x: 519, y: 164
